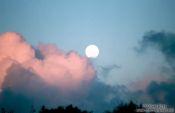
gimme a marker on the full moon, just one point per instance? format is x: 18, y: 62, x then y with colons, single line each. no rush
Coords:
x: 92, y: 51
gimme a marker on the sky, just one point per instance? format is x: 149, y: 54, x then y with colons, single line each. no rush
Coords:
x: 122, y: 29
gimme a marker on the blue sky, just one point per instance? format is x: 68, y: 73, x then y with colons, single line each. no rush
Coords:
x: 115, y: 26
x: 133, y: 64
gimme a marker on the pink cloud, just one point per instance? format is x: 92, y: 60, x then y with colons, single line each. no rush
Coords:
x: 63, y: 70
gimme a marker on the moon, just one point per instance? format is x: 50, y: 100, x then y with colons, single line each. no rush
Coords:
x: 92, y: 51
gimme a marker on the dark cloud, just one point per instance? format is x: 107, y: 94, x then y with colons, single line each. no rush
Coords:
x: 157, y: 93
x: 106, y: 70
x: 160, y: 92
x: 162, y: 41
x: 16, y: 102
x: 17, y: 87
x: 103, y: 97
x: 38, y: 54
x: 22, y: 88
x: 38, y: 77
x: 45, y: 75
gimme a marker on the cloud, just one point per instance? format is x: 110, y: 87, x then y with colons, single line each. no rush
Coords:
x: 13, y: 48
x: 45, y: 75
x: 162, y: 41
x: 106, y: 70
x: 23, y: 88
x: 160, y: 91
x: 19, y: 87
x: 64, y: 70
x: 40, y: 75
x: 157, y: 93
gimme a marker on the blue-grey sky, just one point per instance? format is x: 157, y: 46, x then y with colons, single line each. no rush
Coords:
x: 136, y: 39
x: 115, y: 26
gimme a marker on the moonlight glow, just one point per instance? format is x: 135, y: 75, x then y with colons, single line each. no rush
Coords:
x: 92, y: 51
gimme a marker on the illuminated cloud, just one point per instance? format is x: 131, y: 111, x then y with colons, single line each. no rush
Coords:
x: 46, y: 75
x: 63, y: 70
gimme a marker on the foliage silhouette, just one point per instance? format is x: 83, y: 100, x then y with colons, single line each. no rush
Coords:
x: 60, y: 109
x: 131, y: 107
x: 3, y: 110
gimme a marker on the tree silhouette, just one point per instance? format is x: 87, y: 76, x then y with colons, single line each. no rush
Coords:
x: 131, y: 107
x: 32, y: 110
x: 4, y: 111
x: 60, y: 109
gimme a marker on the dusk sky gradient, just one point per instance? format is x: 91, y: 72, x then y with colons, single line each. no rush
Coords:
x: 117, y: 27
x: 114, y: 26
